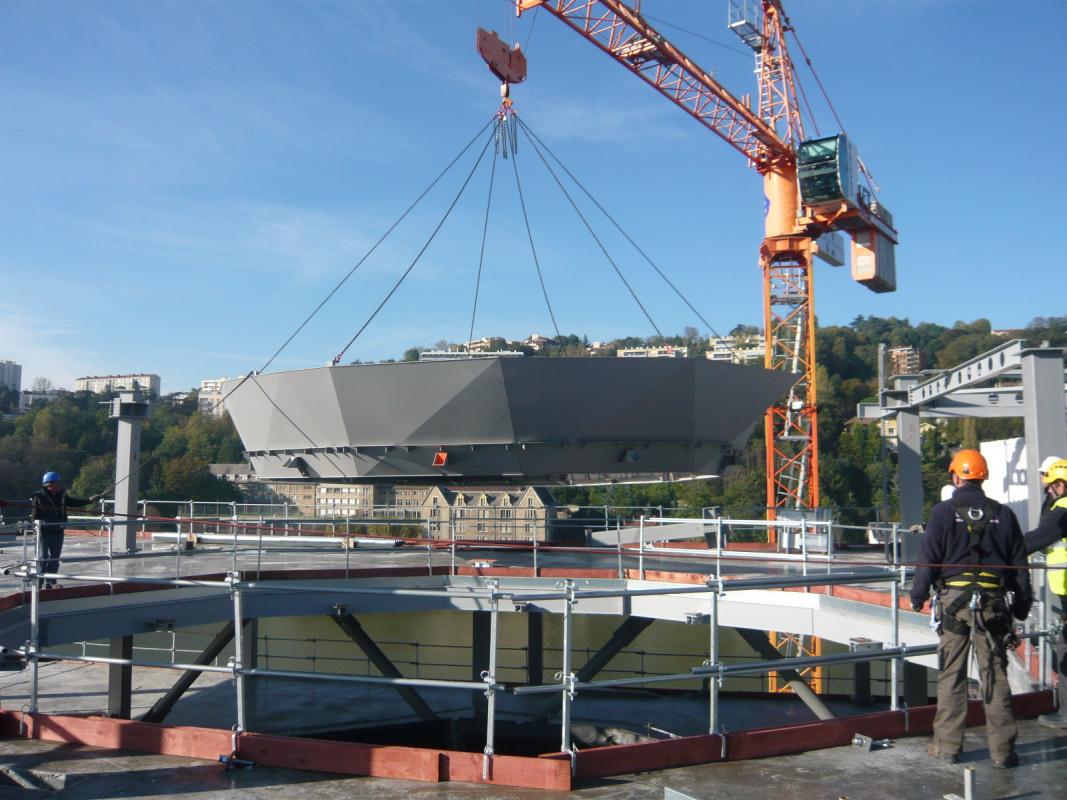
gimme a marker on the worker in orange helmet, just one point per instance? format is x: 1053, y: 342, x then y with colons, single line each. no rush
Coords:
x: 974, y: 557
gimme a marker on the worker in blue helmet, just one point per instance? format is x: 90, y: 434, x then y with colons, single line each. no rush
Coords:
x: 50, y: 504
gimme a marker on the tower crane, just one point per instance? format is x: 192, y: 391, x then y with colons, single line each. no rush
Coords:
x: 812, y: 188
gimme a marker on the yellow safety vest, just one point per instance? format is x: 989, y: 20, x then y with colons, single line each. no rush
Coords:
x: 1057, y: 554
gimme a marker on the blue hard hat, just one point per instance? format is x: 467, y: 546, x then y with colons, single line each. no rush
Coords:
x: 51, y: 477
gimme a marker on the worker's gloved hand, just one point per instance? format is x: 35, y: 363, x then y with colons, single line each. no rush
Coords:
x: 915, y: 529
x: 917, y: 605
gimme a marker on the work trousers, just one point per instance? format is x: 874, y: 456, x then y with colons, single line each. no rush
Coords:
x: 953, y: 655
x: 51, y: 548
x: 1059, y: 655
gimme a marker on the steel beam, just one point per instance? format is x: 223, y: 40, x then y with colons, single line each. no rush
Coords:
x: 909, y: 468
x: 630, y: 629
x: 158, y: 712
x: 761, y: 643
x: 120, y: 678
x: 351, y: 626
x: 1043, y: 421
x: 991, y: 364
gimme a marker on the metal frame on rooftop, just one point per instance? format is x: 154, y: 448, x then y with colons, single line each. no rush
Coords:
x: 528, y: 596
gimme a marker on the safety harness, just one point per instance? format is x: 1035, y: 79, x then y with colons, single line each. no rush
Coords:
x: 984, y: 589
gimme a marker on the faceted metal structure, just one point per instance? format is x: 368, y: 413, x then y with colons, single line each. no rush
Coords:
x: 517, y: 420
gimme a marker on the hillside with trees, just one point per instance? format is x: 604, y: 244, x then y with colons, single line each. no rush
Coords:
x: 73, y: 435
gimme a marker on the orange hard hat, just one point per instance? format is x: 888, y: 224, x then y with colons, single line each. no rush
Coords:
x: 970, y: 465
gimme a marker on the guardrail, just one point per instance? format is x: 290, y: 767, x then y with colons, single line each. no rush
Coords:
x: 566, y: 593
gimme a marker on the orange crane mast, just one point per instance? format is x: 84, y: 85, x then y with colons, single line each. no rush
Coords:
x: 811, y: 188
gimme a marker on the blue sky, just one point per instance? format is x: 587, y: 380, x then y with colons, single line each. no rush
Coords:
x: 184, y: 181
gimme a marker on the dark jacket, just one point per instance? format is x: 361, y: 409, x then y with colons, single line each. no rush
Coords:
x: 1050, y: 529
x: 51, y: 509
x: 946, y: 541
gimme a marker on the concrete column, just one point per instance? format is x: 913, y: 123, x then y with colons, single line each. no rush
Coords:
x: 120, y: 679
x: 1043, y: 419
x: 481, y: 632
x: 535, y: 643
x: 861, y: 670
x: 915, y: 693
x: 909, y: 468
x: 250, y: 654
x: 131, y: 410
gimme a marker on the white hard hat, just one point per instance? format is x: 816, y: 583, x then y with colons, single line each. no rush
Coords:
x: 1048, y: 462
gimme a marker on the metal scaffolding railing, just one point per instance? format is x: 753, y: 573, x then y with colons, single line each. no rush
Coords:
x: 567, y: 593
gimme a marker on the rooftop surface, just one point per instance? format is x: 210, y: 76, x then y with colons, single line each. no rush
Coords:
x: 902, y: 770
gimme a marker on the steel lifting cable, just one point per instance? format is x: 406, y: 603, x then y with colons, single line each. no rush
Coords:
x: 422, y: 250
x: 481, y: 252
x: 619, y: 228
x: 589, y: 228
x: 251, y: 374
x: 533, y: 250
x: 374, y: 247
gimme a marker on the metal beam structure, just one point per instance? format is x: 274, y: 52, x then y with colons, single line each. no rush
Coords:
x: 120, y: 678
x: 1043, y: 420
x: 761, y: 643
x: 1035, y: 393
x: 630, y: 629
x: 351, y: 626
x: 158, y: 712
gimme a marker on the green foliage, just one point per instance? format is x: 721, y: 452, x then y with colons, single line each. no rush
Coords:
x: 73, y: 436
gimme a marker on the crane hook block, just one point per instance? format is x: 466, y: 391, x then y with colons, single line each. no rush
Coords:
x: 507, y: 63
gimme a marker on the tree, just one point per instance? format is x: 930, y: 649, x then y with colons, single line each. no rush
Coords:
x: 411, y: 354
x: 42, y: 385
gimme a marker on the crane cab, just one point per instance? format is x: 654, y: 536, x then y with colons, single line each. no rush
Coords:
x: 828, y: 174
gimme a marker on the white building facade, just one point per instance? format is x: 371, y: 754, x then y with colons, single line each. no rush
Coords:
x: 147, y: 382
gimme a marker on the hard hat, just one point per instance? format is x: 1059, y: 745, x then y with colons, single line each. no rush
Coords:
x: 970, y: 465
x: 1056, y: 472
x: 51, y: 477
x: 1048, y: 462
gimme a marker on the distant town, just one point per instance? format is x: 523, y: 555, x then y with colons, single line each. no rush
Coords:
x: 192, y: 450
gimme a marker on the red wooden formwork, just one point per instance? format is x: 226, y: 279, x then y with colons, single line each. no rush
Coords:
x: 381, y: 761
x: 550, y: 771
x: 603, y: 762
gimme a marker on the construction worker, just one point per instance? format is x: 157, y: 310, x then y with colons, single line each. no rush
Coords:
x: 1048, y: 499
x: 973, y: 555
x: 50, y: 504
x: 1051, y: 532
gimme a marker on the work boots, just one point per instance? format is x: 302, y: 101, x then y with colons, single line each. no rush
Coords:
x: 934, y: 751
x: 1011, y: 761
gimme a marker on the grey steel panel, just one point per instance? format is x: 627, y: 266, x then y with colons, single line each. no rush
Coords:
x: 534, y: 420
